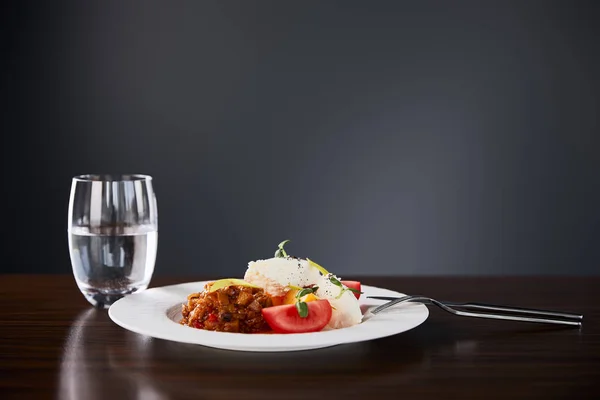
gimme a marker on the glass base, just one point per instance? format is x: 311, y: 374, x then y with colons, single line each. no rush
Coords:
x: 104, y: 299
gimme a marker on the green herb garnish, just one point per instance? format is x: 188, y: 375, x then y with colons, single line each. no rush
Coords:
x: 305, y: 291
x: 302, y: 308
x: 336, y: 282
x: 354, y: 290
x: 280, y: 252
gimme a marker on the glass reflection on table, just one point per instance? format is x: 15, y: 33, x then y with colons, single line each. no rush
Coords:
x: 101, y: 361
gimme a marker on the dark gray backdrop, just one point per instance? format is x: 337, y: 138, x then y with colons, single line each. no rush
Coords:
x: 382, y: 137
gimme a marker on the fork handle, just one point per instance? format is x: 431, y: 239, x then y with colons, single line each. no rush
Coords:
x: 515, y: 310
x: 494, y: 311
x: 515, y: 318
x: 488, y: 307
x: 531, y: 317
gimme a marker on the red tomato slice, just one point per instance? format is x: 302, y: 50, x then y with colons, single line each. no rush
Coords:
x: 285, y: 318
x: 353, y: 285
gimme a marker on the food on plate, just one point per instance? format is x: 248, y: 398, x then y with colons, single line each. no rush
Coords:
x: 278, y: 274
x: 228, y: 309
x: 289, y: 295
x: 346, y: 308
x: 286, y: 319
x: 353, y: 285
x: 222, y: 283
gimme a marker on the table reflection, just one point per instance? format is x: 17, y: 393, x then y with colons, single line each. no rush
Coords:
x: 101, y: 360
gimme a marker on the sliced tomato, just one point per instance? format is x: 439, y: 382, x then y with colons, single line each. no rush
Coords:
x: 353, y: 285
x: 285, y: 318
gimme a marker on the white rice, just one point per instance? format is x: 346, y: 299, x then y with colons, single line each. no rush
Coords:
x: 275, y: 275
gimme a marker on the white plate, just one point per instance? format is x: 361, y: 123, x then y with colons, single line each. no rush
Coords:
x: 156, y: 313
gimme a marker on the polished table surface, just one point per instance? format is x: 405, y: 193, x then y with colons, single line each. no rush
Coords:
x: 53, y: 344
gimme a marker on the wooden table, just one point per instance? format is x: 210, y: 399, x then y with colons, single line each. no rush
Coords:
x: 53, y: 344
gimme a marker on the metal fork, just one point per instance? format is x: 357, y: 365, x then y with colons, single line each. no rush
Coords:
x: 499, y: 312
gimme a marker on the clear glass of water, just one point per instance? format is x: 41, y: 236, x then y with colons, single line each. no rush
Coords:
x: 113, y: 235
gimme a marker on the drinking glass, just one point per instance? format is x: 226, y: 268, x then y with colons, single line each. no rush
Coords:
x: 113, y: 235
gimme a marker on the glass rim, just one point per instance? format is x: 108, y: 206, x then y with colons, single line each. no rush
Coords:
x: 112, y: 177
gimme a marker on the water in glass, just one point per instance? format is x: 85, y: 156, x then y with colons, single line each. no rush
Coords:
x: 113, y: 236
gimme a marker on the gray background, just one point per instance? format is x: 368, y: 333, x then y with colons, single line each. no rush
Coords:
x: 382, y: 137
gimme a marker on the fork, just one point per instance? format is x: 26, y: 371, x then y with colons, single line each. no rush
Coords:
x: 499, y: 312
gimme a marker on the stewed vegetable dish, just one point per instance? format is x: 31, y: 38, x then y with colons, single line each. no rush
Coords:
x: 230, y: 309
